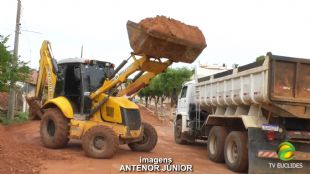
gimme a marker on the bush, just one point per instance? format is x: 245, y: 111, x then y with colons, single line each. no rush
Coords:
x: 5, y: 120
x: 20, y: 118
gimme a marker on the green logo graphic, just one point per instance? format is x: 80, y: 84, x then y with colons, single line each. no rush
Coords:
x: 286, y: 151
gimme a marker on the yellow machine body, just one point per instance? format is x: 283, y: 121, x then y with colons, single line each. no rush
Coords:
x: 94, y: 98
x: 61, y: 103
x: 110, y: 112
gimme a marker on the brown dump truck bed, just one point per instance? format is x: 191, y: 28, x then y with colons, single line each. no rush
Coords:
x: 290, y: 79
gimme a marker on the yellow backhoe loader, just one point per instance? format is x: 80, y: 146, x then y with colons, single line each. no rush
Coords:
x: 83, y: 99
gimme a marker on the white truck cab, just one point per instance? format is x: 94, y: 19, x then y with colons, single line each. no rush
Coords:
x: 186, y: 97
x: 186, y: 106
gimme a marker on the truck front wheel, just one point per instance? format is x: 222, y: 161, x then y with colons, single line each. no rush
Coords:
x: 178, y: 137
x: 216, y: 141
x: 236, y: 151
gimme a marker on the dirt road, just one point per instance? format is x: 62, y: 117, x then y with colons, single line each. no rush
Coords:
x: 74, y: 161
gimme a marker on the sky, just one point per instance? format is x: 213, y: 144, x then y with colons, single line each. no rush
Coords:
x: 236, y: 31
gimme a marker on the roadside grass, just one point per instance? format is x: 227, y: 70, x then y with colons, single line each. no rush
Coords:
x: 21, y: 117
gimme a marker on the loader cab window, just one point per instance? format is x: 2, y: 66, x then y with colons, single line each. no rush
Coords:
x: 72, y: 85
x: 95, y: 75
x: 60, y: 81
x: 183, y: 92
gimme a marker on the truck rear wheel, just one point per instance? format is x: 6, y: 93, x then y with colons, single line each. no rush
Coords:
x: 236, y: 151
x: 100, y: 142
x: 216, y: 141
x: 54, y: 129
x: 178, y: 138
x: 148, y: 141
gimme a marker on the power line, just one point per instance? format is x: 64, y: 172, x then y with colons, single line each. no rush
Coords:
x: 30, y: 31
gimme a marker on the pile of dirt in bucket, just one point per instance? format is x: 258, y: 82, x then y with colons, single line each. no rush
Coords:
x: 174, y: 28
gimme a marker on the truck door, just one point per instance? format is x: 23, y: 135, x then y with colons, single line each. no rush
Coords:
x: 182, y: 102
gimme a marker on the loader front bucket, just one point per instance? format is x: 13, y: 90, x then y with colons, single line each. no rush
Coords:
x: 160, y: 45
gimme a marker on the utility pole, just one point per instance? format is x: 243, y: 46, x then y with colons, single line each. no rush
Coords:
x: 11, y: 104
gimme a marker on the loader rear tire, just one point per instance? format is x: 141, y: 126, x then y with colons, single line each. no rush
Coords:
x: 100, y: 142
x: 216, y: 142
x: 178, y: 137
x: 54, y: 129
x: 236, y: 151
x: 148, y: 141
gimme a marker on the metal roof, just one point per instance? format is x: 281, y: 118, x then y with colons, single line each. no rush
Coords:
x: 77, y: 60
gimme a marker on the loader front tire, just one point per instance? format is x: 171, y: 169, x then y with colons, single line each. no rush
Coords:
x: 54, y: 129
x: 100, y: 142
x: 149, y: 139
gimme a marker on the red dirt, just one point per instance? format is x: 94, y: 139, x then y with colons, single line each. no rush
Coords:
x: 22, y: 151
x: 175, y: 28
x: 18, y: 157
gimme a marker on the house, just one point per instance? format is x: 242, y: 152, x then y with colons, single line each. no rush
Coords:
x: 24, y: 89
x: 28, y: 89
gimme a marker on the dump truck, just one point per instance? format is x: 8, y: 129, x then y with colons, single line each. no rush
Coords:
x: 255, y: 117
x: 86, y: 99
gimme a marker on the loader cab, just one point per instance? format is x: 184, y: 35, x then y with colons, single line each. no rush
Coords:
x: 77, y: 78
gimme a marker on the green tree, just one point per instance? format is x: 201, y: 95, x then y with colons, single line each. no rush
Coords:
x: 166, y: 85
x: 260, y: 58
x: 10, y: 72
x: 12, y: 69
x: 5, y: 56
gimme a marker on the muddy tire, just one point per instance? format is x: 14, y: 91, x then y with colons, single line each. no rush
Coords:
x: 100, y: 142
x: 236, y: 151
x: 54, y: 129
x: 148, y: 141
x: 178, y: 137
x: 216, y: 142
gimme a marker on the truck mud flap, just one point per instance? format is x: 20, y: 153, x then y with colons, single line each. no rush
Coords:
x: 257, y: 165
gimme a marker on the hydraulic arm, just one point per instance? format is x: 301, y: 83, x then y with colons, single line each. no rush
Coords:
x: 147, y: 67
x: 47, y: 72
x: 46, y: 77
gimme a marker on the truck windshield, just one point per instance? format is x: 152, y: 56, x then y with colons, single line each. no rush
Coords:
x: 183, y: 92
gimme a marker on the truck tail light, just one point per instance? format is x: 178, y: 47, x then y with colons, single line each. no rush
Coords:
x: 271, y: 135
